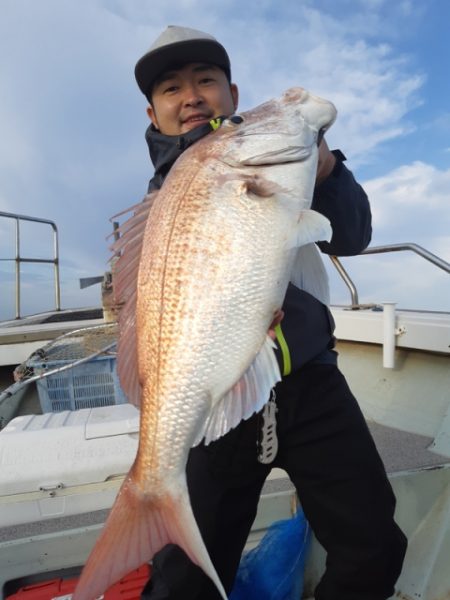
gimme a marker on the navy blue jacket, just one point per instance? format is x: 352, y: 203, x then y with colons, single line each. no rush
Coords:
x: 306, y: 332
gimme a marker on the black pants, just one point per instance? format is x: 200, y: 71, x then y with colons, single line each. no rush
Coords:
x: 328, y: 452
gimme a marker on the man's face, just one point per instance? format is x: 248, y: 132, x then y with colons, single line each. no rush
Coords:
x: 191, y: 96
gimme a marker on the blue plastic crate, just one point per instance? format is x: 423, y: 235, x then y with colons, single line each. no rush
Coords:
x: 91, y: 384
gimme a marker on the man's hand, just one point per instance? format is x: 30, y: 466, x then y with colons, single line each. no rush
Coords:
x: 277, y: 317
x: 326, y: 162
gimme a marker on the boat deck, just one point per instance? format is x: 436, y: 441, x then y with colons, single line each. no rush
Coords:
x: 400, y: 451
x: 410, y: 396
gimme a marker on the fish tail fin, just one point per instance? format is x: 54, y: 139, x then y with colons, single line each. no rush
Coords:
x: 185, y: 533
x: 138, y: 526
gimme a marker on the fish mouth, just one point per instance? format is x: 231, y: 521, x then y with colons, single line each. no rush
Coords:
x: 195, y: 120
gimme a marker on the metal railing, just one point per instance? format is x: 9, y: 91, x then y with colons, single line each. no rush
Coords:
x: 435, y: 260
x: 18, y: 259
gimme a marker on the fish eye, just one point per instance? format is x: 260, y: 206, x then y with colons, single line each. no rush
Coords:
x: 235, y: 119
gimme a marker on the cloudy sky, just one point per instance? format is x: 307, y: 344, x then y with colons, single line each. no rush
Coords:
x: 72, y: 123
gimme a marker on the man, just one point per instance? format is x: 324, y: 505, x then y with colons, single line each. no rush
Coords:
x: 324, y: 443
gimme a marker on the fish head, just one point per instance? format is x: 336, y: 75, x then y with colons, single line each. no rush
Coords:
x: 284, y: 130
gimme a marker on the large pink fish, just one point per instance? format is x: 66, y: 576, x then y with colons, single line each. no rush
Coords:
x: 202, y: 273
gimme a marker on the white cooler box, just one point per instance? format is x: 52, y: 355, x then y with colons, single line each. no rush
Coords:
x: 67, y: 463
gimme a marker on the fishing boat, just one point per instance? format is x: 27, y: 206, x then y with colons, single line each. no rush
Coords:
x: 68, y: 436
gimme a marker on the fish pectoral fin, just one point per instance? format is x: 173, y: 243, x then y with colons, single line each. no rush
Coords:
x: 311, y: 226
x: 262, y: 187
x: 309, y: 273
x: 138, y: 526
x: 245, y: 398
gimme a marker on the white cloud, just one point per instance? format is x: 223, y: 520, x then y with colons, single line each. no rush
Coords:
x: 413, y: 200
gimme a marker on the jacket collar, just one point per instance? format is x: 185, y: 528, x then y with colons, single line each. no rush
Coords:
x: 165, y: 149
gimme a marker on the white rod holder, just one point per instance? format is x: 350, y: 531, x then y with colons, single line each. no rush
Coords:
x: 389, y: 335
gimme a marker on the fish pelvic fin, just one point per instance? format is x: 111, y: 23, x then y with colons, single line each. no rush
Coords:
x: 138, y: 526
x: 246, y: 397
x: 125, y: 265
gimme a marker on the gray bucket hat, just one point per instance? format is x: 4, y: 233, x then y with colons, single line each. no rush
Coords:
x: 175, y: 45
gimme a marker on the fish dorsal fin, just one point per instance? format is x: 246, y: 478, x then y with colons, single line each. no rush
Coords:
x: 309, y: 273
x: 245, y: 398
x: 125, y: 260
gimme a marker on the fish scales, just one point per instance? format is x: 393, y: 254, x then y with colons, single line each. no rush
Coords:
x: 217, y: 254
x: 187, y: 332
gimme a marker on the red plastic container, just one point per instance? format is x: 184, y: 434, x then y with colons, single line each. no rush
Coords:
x: 128, y: 588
